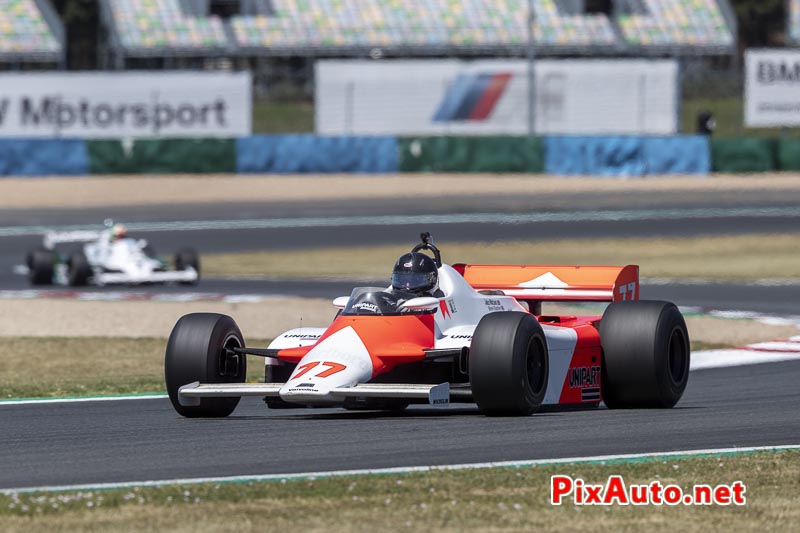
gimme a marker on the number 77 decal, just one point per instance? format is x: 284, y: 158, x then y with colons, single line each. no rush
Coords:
x: 333, y: 368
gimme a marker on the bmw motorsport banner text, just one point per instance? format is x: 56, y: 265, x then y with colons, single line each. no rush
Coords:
x: 125, y: 104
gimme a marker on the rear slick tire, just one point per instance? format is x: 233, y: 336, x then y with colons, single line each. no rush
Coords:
x: 508, y: 364
x: 186, y: 258
x: 196, y: 351
x: 646, y: 354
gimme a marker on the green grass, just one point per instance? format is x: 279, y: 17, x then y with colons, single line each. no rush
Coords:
x: 729, y: 113
x: 283, y: 117
x: 705, y: 345
x: 89, y: 366
x: 500, y: 499
x: 737, y: 257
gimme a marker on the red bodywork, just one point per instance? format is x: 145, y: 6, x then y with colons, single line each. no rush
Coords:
x: 397, y: 340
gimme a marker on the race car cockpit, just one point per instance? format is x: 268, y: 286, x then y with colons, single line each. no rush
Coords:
x: 379, y: 301
x: 414, y: 289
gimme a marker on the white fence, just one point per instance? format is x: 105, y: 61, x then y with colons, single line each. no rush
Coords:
x: 434, y: 97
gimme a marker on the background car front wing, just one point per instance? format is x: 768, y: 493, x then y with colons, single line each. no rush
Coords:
x: 109, y: 278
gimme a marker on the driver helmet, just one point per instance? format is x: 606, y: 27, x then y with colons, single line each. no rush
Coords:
x: 118, y: 231
x: 415, y: 272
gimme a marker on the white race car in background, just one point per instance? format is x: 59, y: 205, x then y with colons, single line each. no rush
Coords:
x: 107, y: 257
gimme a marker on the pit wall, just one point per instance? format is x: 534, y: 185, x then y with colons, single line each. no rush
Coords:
x: 557, y: 155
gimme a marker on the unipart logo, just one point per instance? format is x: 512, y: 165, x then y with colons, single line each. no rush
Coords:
x: 584, y: 376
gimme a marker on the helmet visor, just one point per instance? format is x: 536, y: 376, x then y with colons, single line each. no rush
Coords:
x: 413, y: 281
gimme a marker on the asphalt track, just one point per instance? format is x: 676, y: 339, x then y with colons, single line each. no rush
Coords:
x: 656, y: 215
x: 97, y: 442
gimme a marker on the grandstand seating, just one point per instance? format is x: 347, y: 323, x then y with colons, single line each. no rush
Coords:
x: 552, y: 28
x: 337, y: 26
x: 162, y: 24
x: 24, y: 33
x: 433, y: 23
x: 677, y: 22
x: 793, y: 18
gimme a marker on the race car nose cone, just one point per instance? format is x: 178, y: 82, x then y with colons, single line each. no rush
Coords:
x: 340, y: 360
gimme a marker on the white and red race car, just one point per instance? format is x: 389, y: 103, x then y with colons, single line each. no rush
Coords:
x: 483, y: 340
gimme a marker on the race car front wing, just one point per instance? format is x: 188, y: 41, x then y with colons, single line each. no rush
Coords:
x: 437, y: 395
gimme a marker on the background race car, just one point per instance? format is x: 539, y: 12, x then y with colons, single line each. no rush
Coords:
x: 479, y: 337
x: 107, y: 257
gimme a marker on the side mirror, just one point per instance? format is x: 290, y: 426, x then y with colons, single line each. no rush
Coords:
x: 425, y: 303
x: 341, y: 302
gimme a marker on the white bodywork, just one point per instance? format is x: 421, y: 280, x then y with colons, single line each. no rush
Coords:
x: 460, y: 310
x: 126, y: 257
x: 318, y: 380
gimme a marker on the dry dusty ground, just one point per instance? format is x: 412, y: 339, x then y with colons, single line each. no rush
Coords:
x: 71, y: 318
x: 25, y: 193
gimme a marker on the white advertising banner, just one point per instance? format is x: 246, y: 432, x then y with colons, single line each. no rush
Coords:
x: 772, y: 88
x: 435, y: 97
x: 125, y: 104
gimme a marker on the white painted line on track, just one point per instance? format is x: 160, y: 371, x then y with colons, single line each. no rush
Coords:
x: 758, y: 353
x: 632, y: 457
x: 775, y: 346
x: 451, y: 218
x: 730, y: 358
x: 760, y: 282
x: 79, y: 399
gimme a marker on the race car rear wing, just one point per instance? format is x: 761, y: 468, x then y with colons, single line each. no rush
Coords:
x: 60, y: 237
x: 556, y: 283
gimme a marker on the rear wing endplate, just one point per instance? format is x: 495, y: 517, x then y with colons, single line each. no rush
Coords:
x: 556, y: 283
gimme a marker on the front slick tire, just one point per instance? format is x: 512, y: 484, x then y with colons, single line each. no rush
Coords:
x: 508, y: 364
x: 79, y: 270
x: 645, y: 354
x: 185, y: 258
x: 41, y: 266
x: 196, y: 352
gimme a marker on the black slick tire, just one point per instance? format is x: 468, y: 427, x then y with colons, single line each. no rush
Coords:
x: 646, y: 354
x: 78, y: 269
x: 196, y: 351
x: 508, y: 364
x: 41, y: 266
x: 186, y: 258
